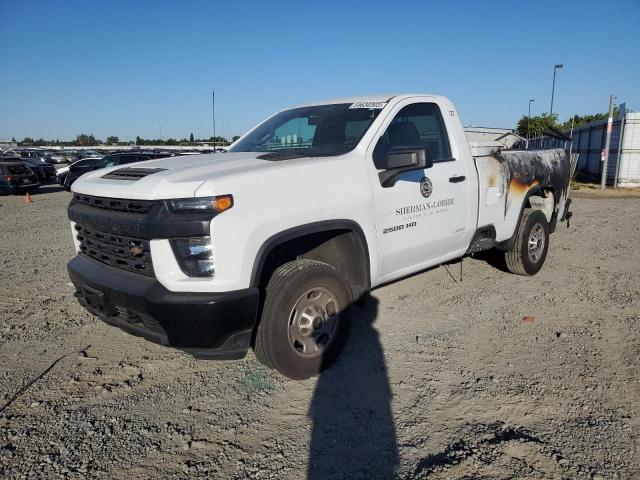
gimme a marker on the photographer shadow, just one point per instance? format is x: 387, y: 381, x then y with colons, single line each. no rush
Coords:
x: 353, y: 434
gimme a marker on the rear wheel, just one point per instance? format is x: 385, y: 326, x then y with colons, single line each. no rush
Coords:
x: 529, y: 251
x: 305, y: 319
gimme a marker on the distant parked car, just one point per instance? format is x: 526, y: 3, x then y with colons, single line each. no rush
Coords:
x: 69, y: 155
x: 62, y: 172
x: 43, y: 170
x: 55, y: 157
x: 76, y: 171
x: 80, y: 154
x: 15, y: 177
x: 33, y: 154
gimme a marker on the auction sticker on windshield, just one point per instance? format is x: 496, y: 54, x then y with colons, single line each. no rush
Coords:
x: 368, y: 105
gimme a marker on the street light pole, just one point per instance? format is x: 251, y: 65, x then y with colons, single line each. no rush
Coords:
x: 553, y: 86
x: 213, y: 115
x: 529, y: 117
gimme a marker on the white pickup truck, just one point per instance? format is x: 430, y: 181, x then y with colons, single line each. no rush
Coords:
x: 269, y: 245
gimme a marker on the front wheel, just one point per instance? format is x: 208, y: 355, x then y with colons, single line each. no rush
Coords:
x: 529, y: 251
x: 305, y: 319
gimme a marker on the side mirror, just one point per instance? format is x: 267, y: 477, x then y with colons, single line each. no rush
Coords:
x: 403, y: 159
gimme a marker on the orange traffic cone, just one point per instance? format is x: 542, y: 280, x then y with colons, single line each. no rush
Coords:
x: 27, y: 199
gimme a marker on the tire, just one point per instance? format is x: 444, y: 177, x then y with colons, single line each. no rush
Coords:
x: 522, y: 260
x: 296, y: 316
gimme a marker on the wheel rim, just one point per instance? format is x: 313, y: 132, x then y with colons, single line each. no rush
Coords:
x: 536, y: 243
x: 313, y: 322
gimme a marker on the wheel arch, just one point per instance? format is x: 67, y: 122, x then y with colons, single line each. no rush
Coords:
x: 536, y: 190
x: 341, y: 243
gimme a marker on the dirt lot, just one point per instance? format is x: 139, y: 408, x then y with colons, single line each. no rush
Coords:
x: 496, y: 376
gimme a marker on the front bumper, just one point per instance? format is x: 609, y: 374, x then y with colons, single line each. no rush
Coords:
x: 206, y: 325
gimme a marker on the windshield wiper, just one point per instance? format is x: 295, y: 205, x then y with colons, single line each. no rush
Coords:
x: 284, y: 154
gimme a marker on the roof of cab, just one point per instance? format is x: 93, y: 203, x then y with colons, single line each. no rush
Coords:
x: 364, y: 98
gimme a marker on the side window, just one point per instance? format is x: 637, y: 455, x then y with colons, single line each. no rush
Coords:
x: 416, y: 125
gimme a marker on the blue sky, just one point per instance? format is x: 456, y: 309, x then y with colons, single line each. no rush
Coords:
x: 127, y: 68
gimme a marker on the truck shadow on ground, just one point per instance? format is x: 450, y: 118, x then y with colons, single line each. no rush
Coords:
x: 353, y: 434
x: 493, y: 257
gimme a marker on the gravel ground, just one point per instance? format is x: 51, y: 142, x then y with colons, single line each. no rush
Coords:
x: 494, y: 376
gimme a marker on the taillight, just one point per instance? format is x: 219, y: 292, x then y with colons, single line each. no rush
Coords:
x: 8, y: 178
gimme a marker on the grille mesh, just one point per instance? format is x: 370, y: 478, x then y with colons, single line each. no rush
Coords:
x: 116, y: 204
x: 127, y: 253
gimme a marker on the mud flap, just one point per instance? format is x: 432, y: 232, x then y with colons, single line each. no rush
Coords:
x: 566, y: 216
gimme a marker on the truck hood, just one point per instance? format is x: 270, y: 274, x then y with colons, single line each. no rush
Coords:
x: 174, y: 177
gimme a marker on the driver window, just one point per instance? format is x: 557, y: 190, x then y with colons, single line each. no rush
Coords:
x: 416, y: 125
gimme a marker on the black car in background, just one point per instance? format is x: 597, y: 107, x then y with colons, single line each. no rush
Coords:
x: 85, y: 162
x: 15, y: 177
x: 43, y: 170
x: 121, y: 158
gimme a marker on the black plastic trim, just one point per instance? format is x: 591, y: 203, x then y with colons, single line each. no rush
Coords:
x: 307, y: 229
x: 208, y: 325
x: 159, y: 222
x: 483, y: 239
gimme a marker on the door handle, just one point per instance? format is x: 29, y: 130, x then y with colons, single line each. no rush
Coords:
x: 457, y: 179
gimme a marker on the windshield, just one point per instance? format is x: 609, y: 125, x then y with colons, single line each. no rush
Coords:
x: 86, y: 162
x: 315, y: 131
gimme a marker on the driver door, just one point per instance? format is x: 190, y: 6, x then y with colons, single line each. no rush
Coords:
x: 421, y: 218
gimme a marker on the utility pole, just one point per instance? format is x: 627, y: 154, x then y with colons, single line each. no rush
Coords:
x: 529, y: 117
x: 605, y: 152
x: 553, y: 85
x: 213, y: 114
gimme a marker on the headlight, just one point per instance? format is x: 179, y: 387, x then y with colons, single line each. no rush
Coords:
x: 202, y: 204
x: 194, y: 255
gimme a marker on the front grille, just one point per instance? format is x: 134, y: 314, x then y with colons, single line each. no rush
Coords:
x: 116, y: 204
x: 127, y: 253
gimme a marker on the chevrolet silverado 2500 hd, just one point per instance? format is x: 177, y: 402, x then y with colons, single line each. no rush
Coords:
x: 268, y: 245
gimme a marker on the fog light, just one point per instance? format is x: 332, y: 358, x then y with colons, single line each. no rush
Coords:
x: 194, y: 255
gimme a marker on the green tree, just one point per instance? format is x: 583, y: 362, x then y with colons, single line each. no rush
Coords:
x: 584, y: 119
x: 87, y: 140
x: 235, y: 137
x: 27, y: 141
x: 13, y: 139
x: 191, y: 138
x: 536, y: 125
x: 112, y: 140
